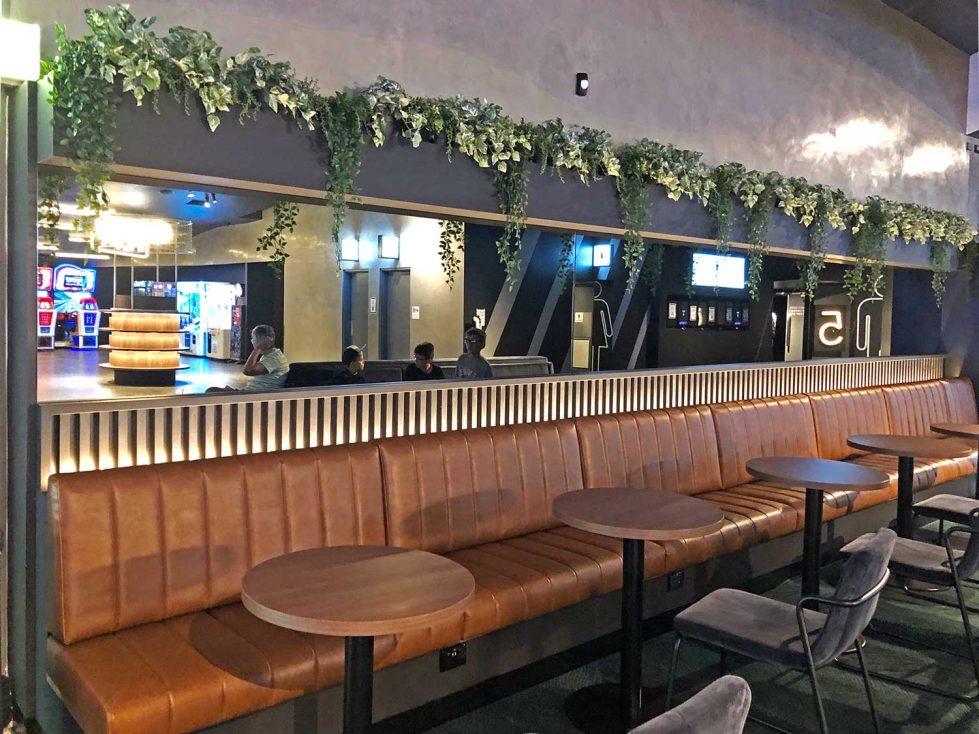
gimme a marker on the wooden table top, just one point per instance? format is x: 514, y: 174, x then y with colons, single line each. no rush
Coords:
x: 962, y: 430
x: 923, y: 447
x: 798, y: 471
x: 638, y: 514
x: 356, y: 591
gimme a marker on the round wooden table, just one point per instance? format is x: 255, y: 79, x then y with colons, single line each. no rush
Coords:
x: 634, y: 515
x: 357, y: 592
x: 815, y: 476
x: 906, y: 449
x: 960, y: 430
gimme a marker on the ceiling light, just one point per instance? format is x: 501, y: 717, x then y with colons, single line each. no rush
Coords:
x: 20, y: 51
x: 81, y: 255
x: 581, y: 84
x: 132, y: 197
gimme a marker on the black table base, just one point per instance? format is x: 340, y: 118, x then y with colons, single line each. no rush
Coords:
x: 358, y: 685
x: 812, y: 542
x: 905, y: 496
x: 596, y: 709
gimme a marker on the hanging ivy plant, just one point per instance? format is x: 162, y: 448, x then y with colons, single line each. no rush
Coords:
x: 720, y: 206
x: 634, y: 205
x: 272, y: 242
x: 940, y: 260
x: 869, y: 245
x: 51, y: 187
x: 451, y: 244
x: 970, y: 257
x: 511, y: 192
x: 755, y: 191
x: 585, y: 150
x: 652, y: 267
x: 565, y: 268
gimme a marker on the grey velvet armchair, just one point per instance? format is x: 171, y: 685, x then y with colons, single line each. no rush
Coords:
x: 721, y: 708
x: 794, y: 636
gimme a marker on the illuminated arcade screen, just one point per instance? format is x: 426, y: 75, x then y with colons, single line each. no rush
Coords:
x: 71, y: 284
x: 718, y: 271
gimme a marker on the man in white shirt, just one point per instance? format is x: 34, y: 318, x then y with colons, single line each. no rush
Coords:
x: 266, y: 365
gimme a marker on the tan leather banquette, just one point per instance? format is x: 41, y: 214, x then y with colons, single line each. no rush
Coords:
x: 147, y: 561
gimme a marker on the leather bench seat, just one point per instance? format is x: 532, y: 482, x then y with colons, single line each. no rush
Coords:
x: 148, y: 560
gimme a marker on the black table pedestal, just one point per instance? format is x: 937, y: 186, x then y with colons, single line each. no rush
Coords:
x: 812, y: 542
x: 358, y: 685
x: 905, y: 496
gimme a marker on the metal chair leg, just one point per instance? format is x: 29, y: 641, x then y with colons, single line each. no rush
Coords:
x: 817, y: 697
x: 866, y: 684
x: 723, y: 662
x: 673, y: 662
x: 963, y: 609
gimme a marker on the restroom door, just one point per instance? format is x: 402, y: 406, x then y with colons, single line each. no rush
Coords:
x: 355, y: 307
x: 395, y: 325
x: 583, y: 300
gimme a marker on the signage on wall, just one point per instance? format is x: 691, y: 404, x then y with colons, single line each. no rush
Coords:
x: 373, y: 306
x: 480, y: 319
x: 45, y: 276
x: 416, y: 312
x: 830, y: 332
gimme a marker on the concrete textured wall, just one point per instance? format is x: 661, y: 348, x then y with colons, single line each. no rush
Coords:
x: 845, y: 92
x: 312, y: 318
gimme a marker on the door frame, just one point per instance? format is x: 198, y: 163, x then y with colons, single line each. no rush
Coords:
x: 382, y: 315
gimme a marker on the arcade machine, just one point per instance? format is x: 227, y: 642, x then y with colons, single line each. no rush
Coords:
x: 209, y: 310
x: 45, y: 308
x: 78, y: 312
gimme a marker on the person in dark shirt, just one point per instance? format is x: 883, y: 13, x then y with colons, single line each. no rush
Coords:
x: 423, y: 368
x: 353, y: 368
x: 472, y: 365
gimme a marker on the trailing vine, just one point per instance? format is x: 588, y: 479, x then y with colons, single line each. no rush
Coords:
x: 51, y: 187
x: 869, y: 244
x: 940, y: 260
x: 272, y: 241
x: 451, y: 243
x: 720, y: 206
x: 511, y: 192
x: 123, y: 56
x: 970, y: 257
x: 565, y: 268
x: 652, y: 267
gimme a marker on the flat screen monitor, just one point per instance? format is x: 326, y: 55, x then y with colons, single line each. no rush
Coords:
x: 718, y: 271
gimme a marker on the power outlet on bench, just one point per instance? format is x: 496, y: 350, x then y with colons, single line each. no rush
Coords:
x: 452, y: 657
x: 674, y: 581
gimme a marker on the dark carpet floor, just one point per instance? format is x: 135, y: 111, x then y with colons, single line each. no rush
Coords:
x: 780, y: 697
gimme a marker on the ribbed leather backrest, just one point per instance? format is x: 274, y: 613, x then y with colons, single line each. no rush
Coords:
x: 670, y: 450
x: 839, y: 415
x: 961, y: 400
x: 772, y: 427
x: 146, y: 543
x: 913, y: 408
x: 454, y: 490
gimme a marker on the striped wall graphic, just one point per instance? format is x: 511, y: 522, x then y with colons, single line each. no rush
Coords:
x: 81, y: 436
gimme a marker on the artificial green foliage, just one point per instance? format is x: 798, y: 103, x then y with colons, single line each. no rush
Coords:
x: 451, y: 244
x: 970, y: 258
x: 272, y: 241
x: 726, y: 180
x: 51, y: 187
x: 122, y: 55
x: 940, y: 258
x: 511, y: 192
x: 652, y: 267
x: 565, y: 268
x: 869, y: 245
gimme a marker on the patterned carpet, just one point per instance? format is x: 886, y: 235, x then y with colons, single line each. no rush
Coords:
x: 779, y: 697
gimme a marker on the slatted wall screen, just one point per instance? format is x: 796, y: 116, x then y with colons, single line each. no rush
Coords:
x: 80, y: 436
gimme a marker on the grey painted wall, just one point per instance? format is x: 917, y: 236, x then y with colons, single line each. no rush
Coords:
x: 839, y: 91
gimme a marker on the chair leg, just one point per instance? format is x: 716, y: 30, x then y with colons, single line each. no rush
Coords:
x: 817, y: 698
x: 969, y: 640
x: 723, y: 662
x: 673, y: 662
x: 866, y: 684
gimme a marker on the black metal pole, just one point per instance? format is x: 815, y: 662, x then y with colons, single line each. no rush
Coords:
x: 358, y: 685
x: 905, y: 484
x: 631, y: 658
x: 812, y: 542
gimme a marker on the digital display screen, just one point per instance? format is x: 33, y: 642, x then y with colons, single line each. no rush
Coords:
x: 718, y: 271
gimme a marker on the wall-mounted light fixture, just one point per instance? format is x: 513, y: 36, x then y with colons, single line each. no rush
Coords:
x: 20, y: 51
x: 581, y: 84
x: 349, y: 249
x: 389, y: 246
x: 602, y: 255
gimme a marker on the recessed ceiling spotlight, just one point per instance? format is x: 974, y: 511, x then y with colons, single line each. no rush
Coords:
x: 581, y: 84
x: 190, y: 194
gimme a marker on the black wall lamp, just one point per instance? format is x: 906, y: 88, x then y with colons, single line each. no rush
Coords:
x: 581, y: 84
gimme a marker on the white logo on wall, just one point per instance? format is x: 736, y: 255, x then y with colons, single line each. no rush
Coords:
x: 416, y: 312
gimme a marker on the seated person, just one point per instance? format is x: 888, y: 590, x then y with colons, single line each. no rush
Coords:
x: 472, y: 366
x: 353, y: 368
x: 423, y: 368
x: 266, y: 365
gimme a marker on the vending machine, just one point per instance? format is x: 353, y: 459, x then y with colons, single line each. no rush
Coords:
x: 207, y: 315
x: 86, y: 334
x: 45, y: 322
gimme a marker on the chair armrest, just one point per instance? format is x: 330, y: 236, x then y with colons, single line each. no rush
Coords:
x: 963, y: 530
x: 862, y: 599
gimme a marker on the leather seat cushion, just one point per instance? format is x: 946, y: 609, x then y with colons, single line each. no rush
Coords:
x: 927, y: 472
x: 756, y: 519
x: 154, y: 677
